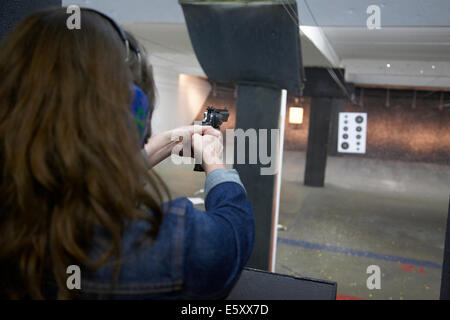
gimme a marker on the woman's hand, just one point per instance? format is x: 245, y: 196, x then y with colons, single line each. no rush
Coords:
x: 160, y: 146
x: 210, y: 147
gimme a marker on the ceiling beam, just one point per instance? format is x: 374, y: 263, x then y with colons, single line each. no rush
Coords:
x: 391, y: 87
x: 319, y: 39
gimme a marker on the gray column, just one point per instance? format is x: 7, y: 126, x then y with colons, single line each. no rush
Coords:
x: 328, y: 97
x: 316, y: 155
x: 259, y: 108
x: 445, y: 278
x: 338, y: 105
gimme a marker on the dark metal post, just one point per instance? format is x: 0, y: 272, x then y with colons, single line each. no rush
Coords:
x: 316, y: 155
x: 259, y: 108
x: 445, y: 279
x: 328, y: 97
x: 338, y: 105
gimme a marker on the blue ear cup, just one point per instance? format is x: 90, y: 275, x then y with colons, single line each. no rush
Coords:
x: 140, y: 109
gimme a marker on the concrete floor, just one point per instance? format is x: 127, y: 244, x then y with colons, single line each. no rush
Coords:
x: 370, y: 212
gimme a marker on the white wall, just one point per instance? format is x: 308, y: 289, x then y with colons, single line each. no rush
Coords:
x: 180, y: 99
x: 133, y: 11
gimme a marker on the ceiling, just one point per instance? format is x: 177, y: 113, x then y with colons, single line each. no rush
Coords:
x: 396, y: 56
x: 399, y: 43
x: 412, y: 48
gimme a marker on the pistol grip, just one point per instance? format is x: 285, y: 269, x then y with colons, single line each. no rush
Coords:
x: 198, y: 167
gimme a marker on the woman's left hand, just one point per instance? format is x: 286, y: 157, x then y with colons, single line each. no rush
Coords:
x: 160, y: 146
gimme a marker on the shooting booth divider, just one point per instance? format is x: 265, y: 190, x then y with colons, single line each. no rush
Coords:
x: 255, y: 45
x: 445, y: 278
x: 260, y: 285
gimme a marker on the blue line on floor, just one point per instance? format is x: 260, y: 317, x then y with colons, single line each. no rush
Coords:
x: 359, y: 253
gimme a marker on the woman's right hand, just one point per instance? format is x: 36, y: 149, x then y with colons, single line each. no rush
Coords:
x: 161, y: 145
x: 210, y: 147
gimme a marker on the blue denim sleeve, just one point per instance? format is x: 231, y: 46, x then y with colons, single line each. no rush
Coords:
x: 219, y: 240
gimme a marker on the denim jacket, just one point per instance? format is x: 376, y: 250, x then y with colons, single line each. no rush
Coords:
x: 197, y: 254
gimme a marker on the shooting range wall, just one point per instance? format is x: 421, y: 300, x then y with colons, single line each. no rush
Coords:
x: 397, y: 132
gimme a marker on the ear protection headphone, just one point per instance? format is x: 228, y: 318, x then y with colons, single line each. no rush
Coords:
x: 140, y: 106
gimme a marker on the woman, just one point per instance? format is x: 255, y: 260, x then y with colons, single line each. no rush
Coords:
x: 75, y: 189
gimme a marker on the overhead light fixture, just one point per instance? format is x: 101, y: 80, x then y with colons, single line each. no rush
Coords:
x: 388, y: 65
x: 433, y: 67
x: 295, y: 115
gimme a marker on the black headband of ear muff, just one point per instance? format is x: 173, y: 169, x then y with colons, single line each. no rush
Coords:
x: 140, y: 106
x: 128, y: 44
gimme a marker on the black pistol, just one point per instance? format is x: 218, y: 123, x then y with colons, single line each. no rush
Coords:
x: 213, y: 117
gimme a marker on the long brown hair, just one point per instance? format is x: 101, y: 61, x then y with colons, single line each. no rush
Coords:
x: 69, y: 153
